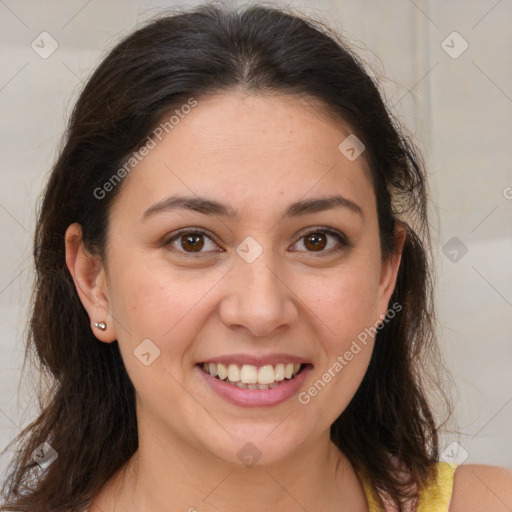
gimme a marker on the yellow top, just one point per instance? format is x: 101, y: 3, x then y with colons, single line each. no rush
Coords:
x: 435, y: 498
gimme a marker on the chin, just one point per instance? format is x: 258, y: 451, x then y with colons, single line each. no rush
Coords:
x: 251, y: 447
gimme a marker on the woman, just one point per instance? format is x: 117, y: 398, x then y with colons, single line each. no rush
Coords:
x: 233, y: 288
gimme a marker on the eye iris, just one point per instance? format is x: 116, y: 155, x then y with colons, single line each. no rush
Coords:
x: 317, y: 239
x: 194, y: 240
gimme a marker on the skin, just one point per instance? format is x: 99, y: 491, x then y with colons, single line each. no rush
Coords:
x: 258, y: 154
x: 480, y: 487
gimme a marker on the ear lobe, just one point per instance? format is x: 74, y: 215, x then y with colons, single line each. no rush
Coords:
x: 390, y: 269
x: 88, y: 275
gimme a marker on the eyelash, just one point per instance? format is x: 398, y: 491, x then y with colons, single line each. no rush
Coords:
x: 342, y: 239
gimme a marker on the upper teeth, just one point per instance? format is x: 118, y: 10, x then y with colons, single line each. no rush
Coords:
x: 249, y: 374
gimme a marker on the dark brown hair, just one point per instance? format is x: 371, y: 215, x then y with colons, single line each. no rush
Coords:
x: 211, y: 49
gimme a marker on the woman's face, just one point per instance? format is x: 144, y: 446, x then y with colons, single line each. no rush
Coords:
x: 254, y: 290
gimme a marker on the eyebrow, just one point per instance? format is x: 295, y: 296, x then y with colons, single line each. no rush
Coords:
x: 209, y: 206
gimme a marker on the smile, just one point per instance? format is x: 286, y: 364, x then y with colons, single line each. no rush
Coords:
x: 248, y: 376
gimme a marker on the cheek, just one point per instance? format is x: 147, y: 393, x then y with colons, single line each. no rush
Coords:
x: 345, y: 302
x: 345, y: 313
x: 152, y: 305
x: 150, y: 301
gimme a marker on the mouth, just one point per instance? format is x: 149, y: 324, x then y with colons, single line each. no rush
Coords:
x: 248, y: 376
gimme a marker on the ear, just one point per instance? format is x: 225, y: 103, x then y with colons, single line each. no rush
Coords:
x: 89, y: 277
x: 390, y: 269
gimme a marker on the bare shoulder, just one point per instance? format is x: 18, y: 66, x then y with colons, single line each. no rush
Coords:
x: 479, y: 488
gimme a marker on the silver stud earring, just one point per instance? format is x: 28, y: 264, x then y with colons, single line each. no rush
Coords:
x: 100, y: 325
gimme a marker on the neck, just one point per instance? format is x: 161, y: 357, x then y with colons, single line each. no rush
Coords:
x: 173, y: 476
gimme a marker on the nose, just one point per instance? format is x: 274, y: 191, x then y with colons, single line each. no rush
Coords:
x: 258, y: 297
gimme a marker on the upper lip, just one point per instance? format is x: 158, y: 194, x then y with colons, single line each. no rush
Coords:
x: 260, y: 360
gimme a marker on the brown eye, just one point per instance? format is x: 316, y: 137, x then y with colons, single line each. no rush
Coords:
x: 191, y: 241
x: 317, y: 240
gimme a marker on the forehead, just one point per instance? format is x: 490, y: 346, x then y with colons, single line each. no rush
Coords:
x: 249, y: 150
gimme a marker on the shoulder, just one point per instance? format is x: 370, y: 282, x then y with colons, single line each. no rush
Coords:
x: 479, y: 488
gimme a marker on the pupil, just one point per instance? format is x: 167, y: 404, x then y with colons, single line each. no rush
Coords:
x: 194, y: 241
x: 316, y: 241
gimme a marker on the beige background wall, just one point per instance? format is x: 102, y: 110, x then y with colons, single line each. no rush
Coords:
x: 456, y: 100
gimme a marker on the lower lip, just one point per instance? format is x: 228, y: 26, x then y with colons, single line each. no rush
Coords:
x: 257, y: 397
